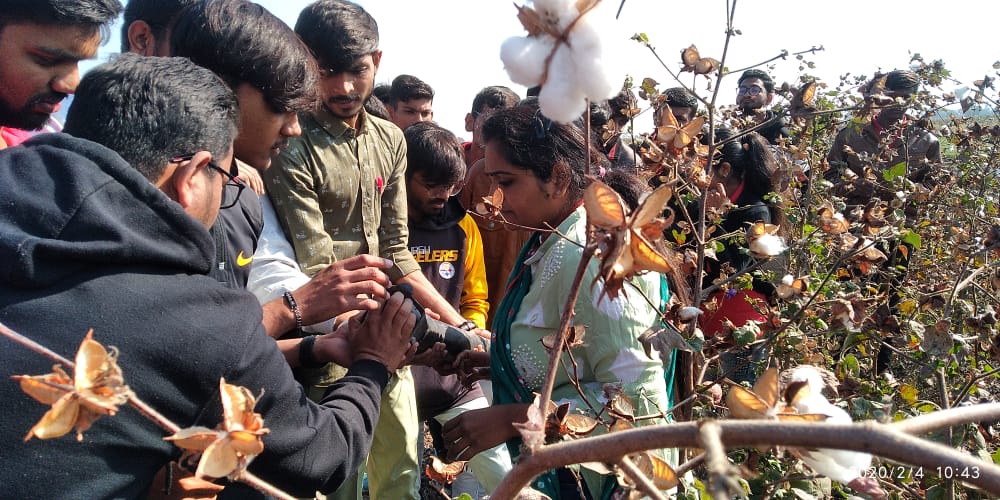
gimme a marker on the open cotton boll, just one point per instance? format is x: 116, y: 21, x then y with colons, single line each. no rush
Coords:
x: 767, y: 245
x: 561, y: 100
x: 562, y: 11
x: 588, y: 60
x: 524, y: 58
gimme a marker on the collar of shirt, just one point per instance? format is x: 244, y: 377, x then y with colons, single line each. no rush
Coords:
x: 336, y: 126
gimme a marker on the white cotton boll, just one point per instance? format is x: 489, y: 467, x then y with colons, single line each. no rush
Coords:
x: 840, y: 465
x: 588, y: 59
x: 524, y: 58
x: 767, y: 245
x: 561, y: 11
x: 561, y: 100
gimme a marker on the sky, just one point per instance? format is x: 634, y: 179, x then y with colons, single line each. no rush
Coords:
x: 454, y: 45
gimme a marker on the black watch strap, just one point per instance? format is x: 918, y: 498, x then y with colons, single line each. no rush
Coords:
x: 307, y: 358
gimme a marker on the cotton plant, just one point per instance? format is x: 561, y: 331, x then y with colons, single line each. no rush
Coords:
x: 564, y: 52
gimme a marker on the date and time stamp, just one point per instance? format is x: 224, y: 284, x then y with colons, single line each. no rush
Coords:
x: 889, y: 471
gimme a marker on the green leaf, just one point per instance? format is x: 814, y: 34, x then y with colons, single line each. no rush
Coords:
x: 849, y: 367
x: 697, y: 344
x: 678, y: 236
x: 911, y: 238
x: 897, y: 170
x: 464, y: 496
x: 746, y: 333
x: 908, y: 393
x: 935, y: 492
x: 702, y: 490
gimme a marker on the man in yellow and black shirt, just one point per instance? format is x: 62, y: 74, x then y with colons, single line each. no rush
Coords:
x: 445, y: 241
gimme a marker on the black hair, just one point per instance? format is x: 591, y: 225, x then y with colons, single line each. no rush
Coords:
x: 94, y: 14
x: 158, y: 14
x: 600, y: 114
x: 407, y: 88
x: 244, y: 43
x: 494, y: 97
x: 338, y: 32
x: 434, y: 152
x: 750, y: 158
x: 624, y: 101
x: 529, y: 140
x: 375, y: 107
x: 758, y: 73
x: 675, y: 97
x: 381, y: 91
x: 150, y: 109
x: 628, y: 185
x: 902, y: 80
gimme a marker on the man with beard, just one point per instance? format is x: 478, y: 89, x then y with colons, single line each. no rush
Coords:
x: 754, y: 94
x: 105, y: 227
x: 339, y: 190
x: 43, y: 42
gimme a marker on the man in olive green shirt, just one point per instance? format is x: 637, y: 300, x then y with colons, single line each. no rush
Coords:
x: 340, y: 190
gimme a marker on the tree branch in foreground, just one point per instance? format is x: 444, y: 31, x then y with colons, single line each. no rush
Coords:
x: 889, y: 441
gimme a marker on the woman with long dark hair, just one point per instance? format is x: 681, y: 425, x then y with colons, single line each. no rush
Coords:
x: 540, y: 167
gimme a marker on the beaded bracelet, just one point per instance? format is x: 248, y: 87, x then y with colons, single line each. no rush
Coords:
x: 294, y: 306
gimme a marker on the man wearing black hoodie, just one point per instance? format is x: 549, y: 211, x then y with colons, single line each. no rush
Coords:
x: 107, y: 229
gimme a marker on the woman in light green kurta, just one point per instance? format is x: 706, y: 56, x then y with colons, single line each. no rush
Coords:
x: 539, y: 166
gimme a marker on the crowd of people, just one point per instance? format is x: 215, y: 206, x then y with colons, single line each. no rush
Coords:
x: 234, y: 198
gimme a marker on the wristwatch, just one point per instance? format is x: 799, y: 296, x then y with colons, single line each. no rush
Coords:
x: 307, y: 358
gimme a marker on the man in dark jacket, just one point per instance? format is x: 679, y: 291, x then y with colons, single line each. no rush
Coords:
x: 108, y: 230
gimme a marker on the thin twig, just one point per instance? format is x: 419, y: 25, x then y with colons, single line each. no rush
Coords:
x: 564, y: 326
x: 642, y: 482
x: 140, y: 406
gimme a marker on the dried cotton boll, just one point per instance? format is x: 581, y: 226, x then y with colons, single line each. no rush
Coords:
x: 767, y: 245
x: 524, y: 58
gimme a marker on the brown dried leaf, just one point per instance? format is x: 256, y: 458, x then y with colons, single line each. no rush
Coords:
x: 97, y: 389
x: 443, y: 473
x: 227, y: 450
x: 530, y: 20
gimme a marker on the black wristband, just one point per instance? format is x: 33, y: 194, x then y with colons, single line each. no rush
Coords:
x: 294, y: 306
x: 307, y: 358
x: 468, y: 325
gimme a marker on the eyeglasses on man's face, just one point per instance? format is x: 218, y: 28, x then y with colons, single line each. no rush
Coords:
x: 232, y: 180
x: 752, y: 91
x: 443, y: 190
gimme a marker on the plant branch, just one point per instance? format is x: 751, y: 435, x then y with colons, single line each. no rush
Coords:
x: 140, y: 406
x: 884, y: 440
x: 642, y: 482
x: 564, y: 326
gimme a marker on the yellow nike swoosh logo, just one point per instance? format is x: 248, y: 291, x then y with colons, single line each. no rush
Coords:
x: 243, y: 261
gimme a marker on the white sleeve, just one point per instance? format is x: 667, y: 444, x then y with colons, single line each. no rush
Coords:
x: 274, y: 270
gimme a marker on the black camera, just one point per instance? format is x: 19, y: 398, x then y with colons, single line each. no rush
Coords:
x: 428, y: 331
